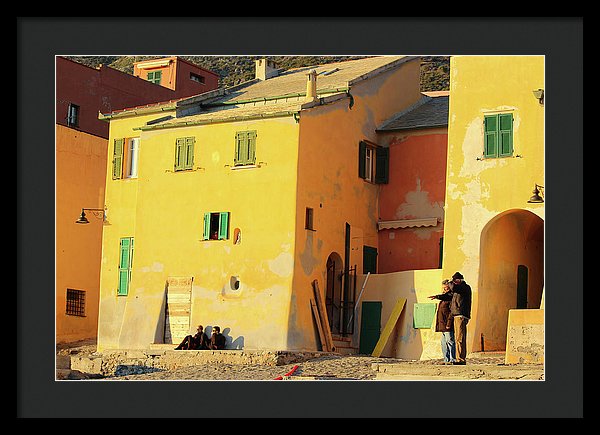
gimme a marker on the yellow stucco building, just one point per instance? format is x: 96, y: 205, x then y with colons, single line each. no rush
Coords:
x: 493, y: 234
x: 224, y: 208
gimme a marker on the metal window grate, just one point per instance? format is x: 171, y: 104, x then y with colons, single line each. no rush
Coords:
x: 75, y: 302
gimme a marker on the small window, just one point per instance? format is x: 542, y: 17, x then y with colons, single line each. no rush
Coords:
x: 245, y: 148
x: 498, y: 135
x: 216, y: 226
x: 125, y: 157
x: 308, y: 222
x: 75, y: 302
x: 73, y: 115
x: 369, y: 164
x: 369, y: 259
x: 373, y: 162
x: 154, y: 77
x: 184, y: 153
x: 132, y: 157
x: 196, y: 78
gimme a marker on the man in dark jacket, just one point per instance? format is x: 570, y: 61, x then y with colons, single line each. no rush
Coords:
x: 444, y: 322
x: 460, y: 308
x: 217, y: 340
x: 196, y: 342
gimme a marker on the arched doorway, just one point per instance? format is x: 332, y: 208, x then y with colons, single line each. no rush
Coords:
x: 511, y: 274
x: 333, y: 292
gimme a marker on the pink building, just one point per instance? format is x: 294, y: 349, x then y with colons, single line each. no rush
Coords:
x: 411, y: 205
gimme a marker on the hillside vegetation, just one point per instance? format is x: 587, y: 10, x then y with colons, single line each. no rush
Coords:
x: 435, y: 70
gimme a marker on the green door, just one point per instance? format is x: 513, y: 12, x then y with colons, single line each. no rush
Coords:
x: 370, y: 326
x: 522, y: 279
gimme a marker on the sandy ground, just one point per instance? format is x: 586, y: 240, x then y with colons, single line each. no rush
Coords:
x: 328, y: 367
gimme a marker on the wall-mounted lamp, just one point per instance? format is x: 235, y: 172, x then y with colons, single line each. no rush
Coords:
x: 539, y: 95
x: 100, y: 213
x: 536, y: 198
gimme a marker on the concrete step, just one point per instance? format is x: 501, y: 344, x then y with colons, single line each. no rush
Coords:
x: 343, y: 345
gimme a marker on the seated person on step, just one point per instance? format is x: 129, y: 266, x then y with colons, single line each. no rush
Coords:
x: 199, y: 341
x: 217, y: 340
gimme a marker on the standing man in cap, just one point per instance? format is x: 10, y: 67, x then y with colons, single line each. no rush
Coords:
x: 460, y: 308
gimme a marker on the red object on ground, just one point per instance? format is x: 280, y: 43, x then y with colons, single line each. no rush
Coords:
x: 278, y: 378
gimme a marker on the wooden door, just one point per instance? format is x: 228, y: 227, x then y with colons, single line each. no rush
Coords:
x: 178, y: 309
x: 370, y: 326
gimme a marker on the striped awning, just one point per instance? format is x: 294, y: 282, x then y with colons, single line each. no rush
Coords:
x: 407, y: 223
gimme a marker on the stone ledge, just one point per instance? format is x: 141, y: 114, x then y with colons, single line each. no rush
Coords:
x: 111, y: 361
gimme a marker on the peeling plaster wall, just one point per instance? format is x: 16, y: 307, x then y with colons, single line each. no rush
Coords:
x: 164, y: 210
x: 328, y: 182
x: 477, y: 189
x: 416, y: 189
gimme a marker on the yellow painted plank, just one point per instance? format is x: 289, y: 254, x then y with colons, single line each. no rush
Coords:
x: 389, y: 327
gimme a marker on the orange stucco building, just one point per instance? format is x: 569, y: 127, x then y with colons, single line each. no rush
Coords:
x: 411, y: 205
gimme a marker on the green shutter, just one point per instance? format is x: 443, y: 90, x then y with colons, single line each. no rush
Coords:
x: 206, y: 234
x: 117, y: 162
x: 382, y: 171
x: 240, y: 137
x: 251, y: 148
x: 362, y: 158
x: 369, y: 259
x: 179, y: 153
x: 189, y: 152
x: 223, y: 225
x: 184, y: 153
x: 491, y: 136
x: 505, y: 130
x: 125, y: 261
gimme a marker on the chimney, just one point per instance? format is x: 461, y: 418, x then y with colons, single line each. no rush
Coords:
x: 265, y: 69
x: 311, y: 85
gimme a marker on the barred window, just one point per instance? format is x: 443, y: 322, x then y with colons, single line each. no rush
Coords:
x: 75, y: 302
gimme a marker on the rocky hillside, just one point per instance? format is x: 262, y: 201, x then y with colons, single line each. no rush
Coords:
x: 435, y: 70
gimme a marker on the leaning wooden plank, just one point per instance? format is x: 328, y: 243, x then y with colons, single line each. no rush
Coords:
x: 315, y: 312
x: 389, y: 327
x: 323, y: 315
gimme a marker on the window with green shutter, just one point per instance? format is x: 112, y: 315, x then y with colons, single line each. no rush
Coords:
x: 117, y: 161
x: 373, y: 162
x: 125, y: 262
x: 184, y: 153
x: 216, y: 226
x: 154, y: 77
x: 498, y: 135
x: 245, y: 148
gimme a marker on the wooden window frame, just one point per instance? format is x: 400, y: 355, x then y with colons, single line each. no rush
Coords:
x: 309, y: 223
x: 373, y: 162
x: 154, y: 77
x: 73, y: 111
